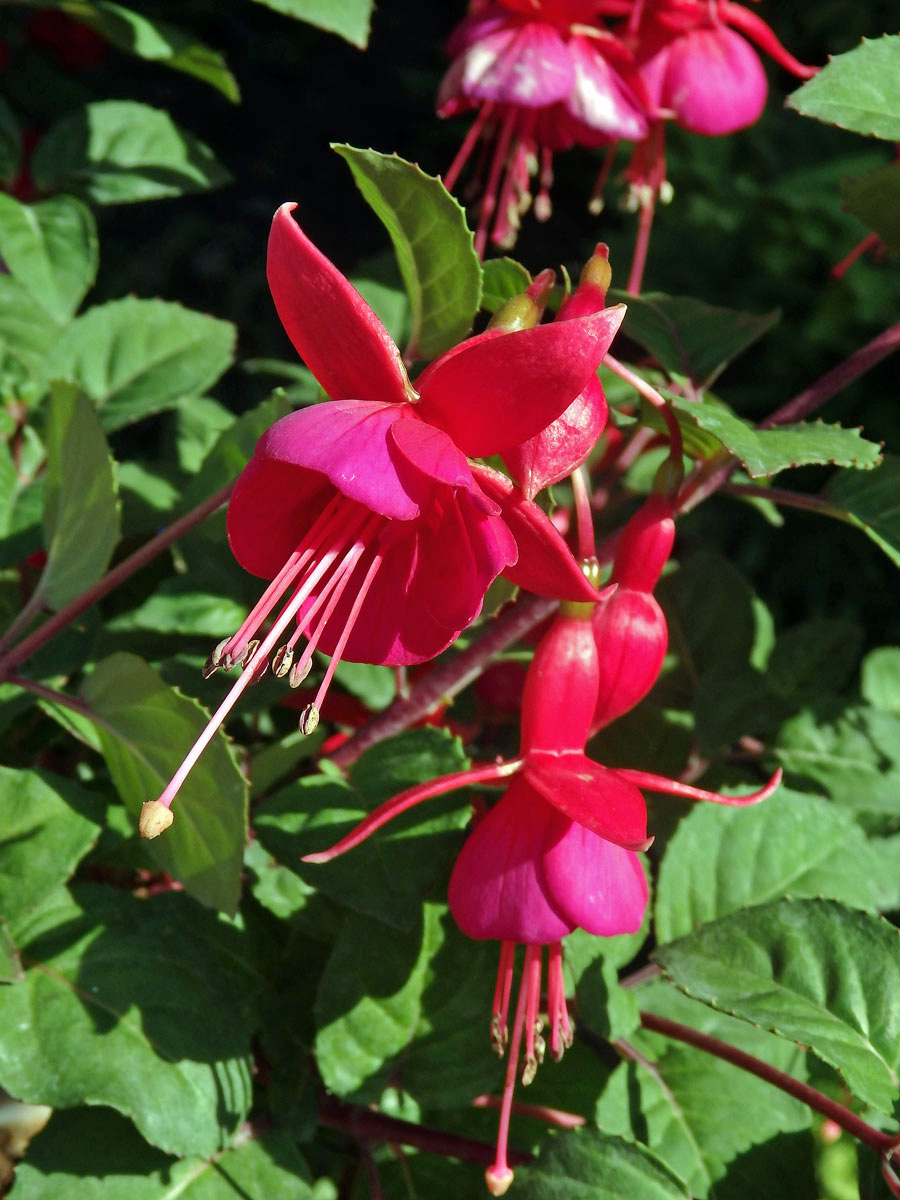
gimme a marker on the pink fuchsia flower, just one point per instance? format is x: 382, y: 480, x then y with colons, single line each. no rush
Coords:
x: 379, y: 537
x: 542, y: 79
x: 702, y: 72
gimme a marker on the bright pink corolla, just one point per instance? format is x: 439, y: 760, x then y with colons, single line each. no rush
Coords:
x: 379, y: 537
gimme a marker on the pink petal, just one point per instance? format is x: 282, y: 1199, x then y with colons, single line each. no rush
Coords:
x: 595, y: 884
x: 594, y: 796
x: 272, y: 508
x: 631, y: 636
x: 601, y: 101
x: 431, y: 451
x: 674, y: 787
x: 564, y: 445
x: 333, y: 329
x: 496, y: 889
x: 493, y: 393
x: 545, y: 565
x: 714, y: 81
x: 349, y: 442
x: 525, y: 64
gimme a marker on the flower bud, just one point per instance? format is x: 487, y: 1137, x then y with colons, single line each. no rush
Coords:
x: 525, y: 310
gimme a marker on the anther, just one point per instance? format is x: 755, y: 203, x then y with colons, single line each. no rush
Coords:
x: 529, y: 1069
x: 499, y: 1035
x: 281, y: 663
x: 215, y: 659
x: 244, y: 658
x: 309, y: 719
x: 299, y: 672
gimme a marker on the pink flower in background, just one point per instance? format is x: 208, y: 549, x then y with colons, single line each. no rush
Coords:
x: 379, y: 537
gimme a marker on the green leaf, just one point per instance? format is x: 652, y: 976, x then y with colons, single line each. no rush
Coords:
x: 502, y: 278
x: 853, y: 754
x: 51, y: 249
x: 875, y: 199
x: 135, y: 357
x: 689, y: 337
x: 585, y: 1164
x: 350, y: 19
x: 142, y: 1005
x: 10, y: 966
x: 81, y: 508
x: 26, y: 327
x: 434, y: 246
x: 880, y: 678
x: 63, y: 1162
x: 813, y: 658
x: 857, y: 90
x: 145, y: 729
x: 375, y: 686
x: 369, y: 1001
x: 49, y: 824
x: 155, y: 40
x: 722, y: 859
x: 233, y: 450
x: 120, y: 151
x: 811, y: 970
x: 872, y: 503
x: 700, y: 1114
x: 765, y: 452
x: 387, y: 875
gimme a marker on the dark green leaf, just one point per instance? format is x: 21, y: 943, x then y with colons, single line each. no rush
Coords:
x: 689, y: 337
x: 872, y: 503
x: 233, y: 449
x: 10, y: 144
x: 26, y: 327
x: 814, y: 658
x: 143, y: 1005
x: 119, y: 151
x: 135, y: 357
x: 585, y: 1164
x: 145, y: 729
x: 350, y: 19
x: 65, y: 1161
x: 433, y: 244
x: 81, y: 509
x: 49, y: 824
x: 880, y: 678
x: 51, y: 249
x: 767, y: 451
x: 857, y: 90
x: 722, y: 859
x: 702, y: 1115
x: 502, y: 279
x: 875, y: 199
x: 811, y: 970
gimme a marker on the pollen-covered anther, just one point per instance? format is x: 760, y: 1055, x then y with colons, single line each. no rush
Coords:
x: 243, y: 659
x: 155, y: 819
x: 309, y: 719
x: 214, y: 661
x: 499, y: 1035
x: 299, y: 672
x: 529, y: 1069
x: 282, y: 660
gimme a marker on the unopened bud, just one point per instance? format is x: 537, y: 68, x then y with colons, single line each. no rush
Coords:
x: 525, y: 310
x: 155, y: 819
x: 281, y: 663
x: 597, y: 272
x: 309, y: 719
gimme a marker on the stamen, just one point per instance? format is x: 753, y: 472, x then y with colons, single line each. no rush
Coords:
x: 309, y: 719
x: 299, y: 672
x: 348, y: 628
x: 499, y: 1174
x: 557, y: 1012
x: 531, y: 980
x: 468, y: 142
x: 212, y: 663
x: 499, y: 1031
x: 281, y: 663
x: 489, y: 200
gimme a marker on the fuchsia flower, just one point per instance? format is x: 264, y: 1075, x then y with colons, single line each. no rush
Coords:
x: 542, y: 78
x: 697, y: 68
x: 556, y: 852
x: 379, y: 537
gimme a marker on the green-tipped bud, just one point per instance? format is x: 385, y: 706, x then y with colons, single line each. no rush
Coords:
x: 525, y: 310
x: 596, y: 272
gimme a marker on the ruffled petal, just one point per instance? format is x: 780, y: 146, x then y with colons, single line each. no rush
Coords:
x: 272, y: 507
x: 525, y: 63
x: 600, y: 100
x: 496, y: 889
x: 349, y: 442
x: 333, y: 329
x: 545, y: 564
x: 594, y: 796
x: 595, y: 884
x: 492, y: 394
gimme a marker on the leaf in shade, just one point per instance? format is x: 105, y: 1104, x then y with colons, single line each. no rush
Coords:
x: 663, y: 1098
x: 135, y: 357
x: 722, y: 859
x: 875, y: 199
x: 814, y: 658
x: 857, y: 90
x: 350, y: 19
x: 10, y: 144
x: 64, y: 1161
x: 813, y: 971
x: 687, y: 336
x: 120, y: 151
x: 502, y: 278
x: 142, y: 1005
x: 434, y: 246
x: 81, y: 507
x: 765, y: 452
x: 880, y: 678
x: 51, y: 249
x: 145, y: 728
x: 871, y: 502
x: 585, y: 1164
x: 49, y: 824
